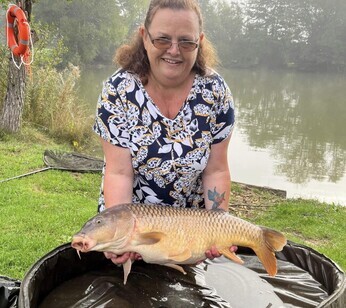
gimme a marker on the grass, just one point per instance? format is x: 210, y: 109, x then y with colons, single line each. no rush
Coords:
x: 41, y: 211
x: 318, y: 225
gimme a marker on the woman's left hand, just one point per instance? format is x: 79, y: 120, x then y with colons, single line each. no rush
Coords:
x: 214, y: 253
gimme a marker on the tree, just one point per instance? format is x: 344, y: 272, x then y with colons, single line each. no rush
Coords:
x: 306, y: 34
x: 11, y: 114
x: 91, y: 29
x: 223, y: 26
x: 326, y: 48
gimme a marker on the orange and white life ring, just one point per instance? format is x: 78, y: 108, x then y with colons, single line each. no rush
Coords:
x: 21, y: 45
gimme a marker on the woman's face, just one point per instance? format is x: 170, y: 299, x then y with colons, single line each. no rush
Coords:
x: 172, y: 66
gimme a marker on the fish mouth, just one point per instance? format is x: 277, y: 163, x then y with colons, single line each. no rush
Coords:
x: 82, y: 243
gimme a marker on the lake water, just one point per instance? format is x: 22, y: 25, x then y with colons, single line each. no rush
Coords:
x: 289, y: 133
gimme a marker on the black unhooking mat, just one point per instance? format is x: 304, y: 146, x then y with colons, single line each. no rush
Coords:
x: 305, y: 278
x: 9, y: 291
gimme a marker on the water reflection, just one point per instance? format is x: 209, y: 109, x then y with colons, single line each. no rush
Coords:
x: 90, y: 83
x: 299, y: 118
x: 289, y: 132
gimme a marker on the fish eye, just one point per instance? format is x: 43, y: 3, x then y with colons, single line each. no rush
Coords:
x: 98, y: 221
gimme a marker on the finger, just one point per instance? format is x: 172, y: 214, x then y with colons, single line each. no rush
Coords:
x: 138, y: 256
x: 233, y: 248
x: 115, y: 261
x: 209, y: 255
x: 121, y: 259
x: 133, y: 256
x: 110, y: 255
x: 215, y: 252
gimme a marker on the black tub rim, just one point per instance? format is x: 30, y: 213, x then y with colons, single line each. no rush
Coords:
x: 336, y: 298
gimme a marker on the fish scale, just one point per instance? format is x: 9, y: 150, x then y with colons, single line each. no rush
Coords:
x: 171, y: 236
x: 182, y: 222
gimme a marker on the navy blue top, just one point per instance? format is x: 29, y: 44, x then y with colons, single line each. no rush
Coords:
x: 168, y: 155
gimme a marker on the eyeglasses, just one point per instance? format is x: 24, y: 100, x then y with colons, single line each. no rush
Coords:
x: 163, y: 43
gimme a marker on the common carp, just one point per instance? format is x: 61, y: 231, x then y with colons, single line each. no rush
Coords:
x: 170, y: 236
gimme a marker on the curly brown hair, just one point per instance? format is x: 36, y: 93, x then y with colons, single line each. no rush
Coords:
x: 133, y: 56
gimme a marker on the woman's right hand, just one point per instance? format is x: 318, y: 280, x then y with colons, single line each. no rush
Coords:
x: 121, y: 259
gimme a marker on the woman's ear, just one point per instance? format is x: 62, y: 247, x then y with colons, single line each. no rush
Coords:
x: 143, y: 34
x: 201, y: 37
x: 141, y: 31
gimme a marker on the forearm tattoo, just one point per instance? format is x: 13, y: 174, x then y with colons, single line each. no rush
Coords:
x: 216, y: 197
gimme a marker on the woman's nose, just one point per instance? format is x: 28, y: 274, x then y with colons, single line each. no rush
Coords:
x: 174, y: 49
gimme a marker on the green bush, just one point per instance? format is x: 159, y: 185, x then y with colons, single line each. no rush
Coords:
x: 51, y: 97
x: 52, y: 103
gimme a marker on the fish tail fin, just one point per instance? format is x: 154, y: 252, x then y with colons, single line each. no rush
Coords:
x: 272, y: 241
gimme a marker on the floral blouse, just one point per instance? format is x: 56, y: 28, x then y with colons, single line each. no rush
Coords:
x: 168, y: 155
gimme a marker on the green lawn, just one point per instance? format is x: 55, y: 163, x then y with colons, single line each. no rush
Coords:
x: 43, y: 210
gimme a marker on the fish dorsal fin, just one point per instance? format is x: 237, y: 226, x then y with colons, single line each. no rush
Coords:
x: 230, y: 255
x: 127, y: 269
x: 148, y: 238
x: 180, y: 257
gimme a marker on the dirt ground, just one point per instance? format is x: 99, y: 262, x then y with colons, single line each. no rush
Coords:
x: 246, y: 200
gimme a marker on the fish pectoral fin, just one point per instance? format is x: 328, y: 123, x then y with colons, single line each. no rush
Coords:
x: 149, y: 238
x: 181, y: 257
x: 127, y: 269
x: 230, y: 255
x: 175, y: 266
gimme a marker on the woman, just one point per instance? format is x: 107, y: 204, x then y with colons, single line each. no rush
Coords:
x: 165, y: 118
